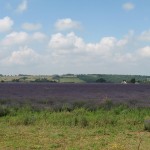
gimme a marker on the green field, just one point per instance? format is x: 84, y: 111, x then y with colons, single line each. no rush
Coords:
x: 118, y: 128
x: 71, y: 78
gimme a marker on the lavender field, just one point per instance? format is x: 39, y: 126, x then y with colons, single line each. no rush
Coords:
x: 47, y: 95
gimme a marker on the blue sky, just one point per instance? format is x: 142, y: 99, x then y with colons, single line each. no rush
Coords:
x: 75, y: 36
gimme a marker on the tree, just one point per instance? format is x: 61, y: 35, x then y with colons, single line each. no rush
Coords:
x: 101, y: 80
x: 133, y: 80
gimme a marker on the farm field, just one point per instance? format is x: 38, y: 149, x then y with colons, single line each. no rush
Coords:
x: 48, y: 95
x: 71, y: 116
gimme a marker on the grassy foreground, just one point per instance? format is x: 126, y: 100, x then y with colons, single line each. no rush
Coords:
x: 118, y: 128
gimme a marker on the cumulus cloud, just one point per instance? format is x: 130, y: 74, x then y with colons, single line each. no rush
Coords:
x: 23, y: 56
x: 144, y: 52
x: 67, y: 24
x: 69, y: 41
x: 124, y: 58
x: 103, y: 48
x: 22, y: 38
x: 22, y: 6
x: 39, y: 36
x: 15, y: 38
x: 71, y: 44
x: 31, y: 26
x: 6, y: 24
x: 67, y: 50
x: 128, y: 6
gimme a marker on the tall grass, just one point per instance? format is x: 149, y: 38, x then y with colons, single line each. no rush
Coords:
x: 120, y: 116
x: 103, y: 128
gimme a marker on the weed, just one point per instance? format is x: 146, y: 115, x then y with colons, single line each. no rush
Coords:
x: 83, y: 122
x: 107, y: 103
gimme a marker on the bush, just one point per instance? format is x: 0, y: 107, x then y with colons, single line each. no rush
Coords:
x: 3, y: 111
x: 101, y: 80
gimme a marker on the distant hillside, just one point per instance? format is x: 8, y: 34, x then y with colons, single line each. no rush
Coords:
x: 108, y: 78
x: 81, y: 78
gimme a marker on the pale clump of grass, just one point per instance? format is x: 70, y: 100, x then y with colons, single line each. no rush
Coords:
x: 147, y: 123
x: 117, y: 146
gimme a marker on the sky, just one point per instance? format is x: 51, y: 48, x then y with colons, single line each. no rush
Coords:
x: 45, y: 37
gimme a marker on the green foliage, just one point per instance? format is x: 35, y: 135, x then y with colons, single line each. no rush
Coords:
x: 79, y: 104
x: 133, y: 80
x: 3, y: 111
x: 101, y: 80
x: 15, y: 80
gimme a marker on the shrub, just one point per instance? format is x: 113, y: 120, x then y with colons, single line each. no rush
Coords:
x: 79, y: 104
x: 3, y: 111
x: 15, y: 80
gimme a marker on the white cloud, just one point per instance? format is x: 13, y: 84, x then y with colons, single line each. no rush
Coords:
x: 22, y: 6
x: 24, y: 56
x: 22, y: 38
x: 39, y: 36
x: 144, y: 52
x: 65, y: 52
x: 72, y: 48
x: 122, y: 42
x: 31, y: 26
x: 68, y: 42
x: 15, y: 38
x: 6, y: 24
x: 103, y: 48
x: 67, y: 24
x: 124, y: 58
x: 128, y: 6
x: 71, y: 43
x: 145, y: 36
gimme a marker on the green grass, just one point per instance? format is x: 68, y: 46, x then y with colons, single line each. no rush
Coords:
x: 119, y: 128
x: 70, y: 80
x: 24, y: 78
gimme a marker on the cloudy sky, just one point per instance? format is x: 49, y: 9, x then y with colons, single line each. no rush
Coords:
x: 75, y: 36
